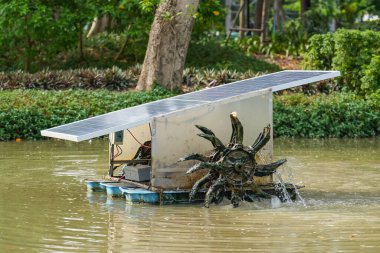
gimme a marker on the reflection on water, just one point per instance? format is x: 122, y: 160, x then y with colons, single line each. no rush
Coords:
x: 44, y: 206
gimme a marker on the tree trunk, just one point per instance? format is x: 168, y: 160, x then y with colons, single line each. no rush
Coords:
x: 28, y: 53
x: 80, y: 43
x: 279, y: 13
x: 99, y: 25
x: 305, y: 5
x: 117, y: 57
x: 258, y: 15
x: 264, y: 21
x: 28, y: 46
x: 168, y: 43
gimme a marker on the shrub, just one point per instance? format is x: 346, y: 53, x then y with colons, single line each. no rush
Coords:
x: 370, y: 82
x: 320, y: 52
x: 204, y: 77
x: 23, y: 113
x: 111, y: 79
x: 335, y: 115
x: 369, y: 25
x: 291, y: 39
x: 105, y: 50
x: 353, y: 51
x: 349, y: 51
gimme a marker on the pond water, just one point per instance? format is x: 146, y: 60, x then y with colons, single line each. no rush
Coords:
x: 45, y: 207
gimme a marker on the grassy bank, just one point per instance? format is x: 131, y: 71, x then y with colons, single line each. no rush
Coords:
x: 23, y: 113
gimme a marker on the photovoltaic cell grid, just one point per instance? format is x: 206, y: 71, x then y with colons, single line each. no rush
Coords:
x: 249, y: 85
x: 116, y: 121
x: 134, y: 116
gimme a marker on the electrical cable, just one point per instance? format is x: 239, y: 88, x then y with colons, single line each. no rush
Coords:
x: 137, y: 140
x: 119, y: 150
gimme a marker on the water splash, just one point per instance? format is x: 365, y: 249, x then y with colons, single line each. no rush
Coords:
x: 289, y: 171
x: 282, y: 187
x: 275, y: 202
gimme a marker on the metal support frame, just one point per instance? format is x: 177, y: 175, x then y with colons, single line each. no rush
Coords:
x: 111, y: 168
x: 112, y: 162
x: 244, y: 22
x: 130, y: 161
x: 235, y: 19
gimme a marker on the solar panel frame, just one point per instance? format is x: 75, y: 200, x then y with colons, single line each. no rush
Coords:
x: 76, y: 131
x: 143, y: 114
x: 278, y: 80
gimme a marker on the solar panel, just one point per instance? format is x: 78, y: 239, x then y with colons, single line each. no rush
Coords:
x: 142, y: 114
x: 117, y: 120
x: 277, y: 81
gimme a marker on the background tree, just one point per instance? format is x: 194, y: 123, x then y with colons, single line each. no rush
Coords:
x: 258, y: 15
x: 27, y: 29
x: 168, y: 43
x: 39, y: 30
x: 305, y: 6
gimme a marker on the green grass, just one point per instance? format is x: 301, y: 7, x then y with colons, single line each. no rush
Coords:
x: 213, y: 55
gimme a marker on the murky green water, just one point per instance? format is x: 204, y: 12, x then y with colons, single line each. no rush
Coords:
x: 44, y: 206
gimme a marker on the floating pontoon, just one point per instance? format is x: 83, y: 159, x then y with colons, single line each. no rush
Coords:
x: 168, y: 126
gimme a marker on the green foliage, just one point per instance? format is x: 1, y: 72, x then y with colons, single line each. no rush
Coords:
x: 35, y: 31
x: 111, y: 79
x: 210, y: 53
x: 291, y: 39
x: 23, y: 113
x: 336, y: 115
x: 196, y: 77
x: 39, y: 34
x: 346, y: 13
x: 248, y: 45
x: 351, y: 10
x: 316, y: 20
x: 320, y: 52
x: 370, y: 82
x: 352, y: 52
x: 145, y: 5
x: 209, y: 18
x: 373, y: 25
x: 103, y: 48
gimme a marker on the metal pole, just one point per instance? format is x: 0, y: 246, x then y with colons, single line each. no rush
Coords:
x: 110, y: 172
x: 234, y: 22
x: 247, y: 15
x: 242, y: 19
